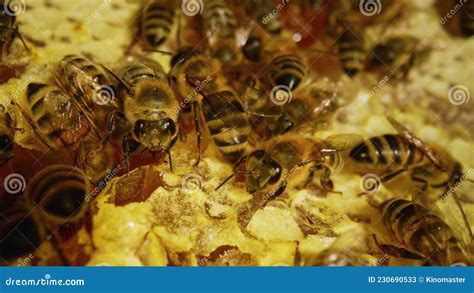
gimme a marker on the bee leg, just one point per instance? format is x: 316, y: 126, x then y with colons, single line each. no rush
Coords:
x: 16, y: 32
x: 129, y: 145
x: 392, y: 175
x: 198, y: 130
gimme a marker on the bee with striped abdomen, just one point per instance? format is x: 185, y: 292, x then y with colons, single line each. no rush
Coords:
x: 219, y: 26
x: 423, y: 234
x: 151, y: 108
x: 198, y: 81
x: 8, y: 29
x: 156, y: 22
x: 351, y: 52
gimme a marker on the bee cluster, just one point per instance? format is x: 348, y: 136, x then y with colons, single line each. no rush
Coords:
x: 251, y: 87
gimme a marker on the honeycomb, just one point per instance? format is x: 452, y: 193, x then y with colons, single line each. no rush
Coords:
x: 154, y: 217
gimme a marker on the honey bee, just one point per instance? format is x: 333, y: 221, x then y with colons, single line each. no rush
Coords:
x: 466, y: 19
x: 219, y: 24
x: 309, y: 108
x: 151, y: 109
x: 156, y: 22
x: 262, y: 12
x: 198, y: 81
x: 8, y: 29
x: 55, y: 119
x: 424, y: 235
x: 7, y: 133
x: 91, y: 88
x: 351, y: 52
x: 293, y: 160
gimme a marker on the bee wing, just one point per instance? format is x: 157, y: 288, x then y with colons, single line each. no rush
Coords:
x: 455, y: 214
x: 418, y: 143
x: 78, y: 97
x: 256, y: 101
x: 341, y: 142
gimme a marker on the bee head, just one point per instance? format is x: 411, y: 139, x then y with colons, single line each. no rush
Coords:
x: 262, y: 171
x: 155, y: 135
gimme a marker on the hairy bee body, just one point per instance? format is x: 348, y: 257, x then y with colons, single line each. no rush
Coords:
x: 200, y: 83
x: 351, y: 52
x: 55, y: 118
x: 227, y: 122
x: 385, y: 153
x: 8, y: 29
x: 156, y: 22
x: 287, y: 70
x: 423, y: 232
x: 466, y: 18
x: 220, y: 24
x: 7, y: 134
x: 152, y: 107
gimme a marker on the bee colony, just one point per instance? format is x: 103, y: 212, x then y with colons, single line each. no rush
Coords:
x: 228, y: 133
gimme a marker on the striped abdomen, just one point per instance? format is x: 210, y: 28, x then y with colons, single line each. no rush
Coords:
x: 7, y: 135
x: 351, y: 52
x: 421, y: 231
x: 227, y: 123
x: 288, y: 70
x: 58, y: 121
x: 389, y: 152
x: 219, y: 19
x: 467, y: 18
x: 156, y: 22
x: 133, y: 73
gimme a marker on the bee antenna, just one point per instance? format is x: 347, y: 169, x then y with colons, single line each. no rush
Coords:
x: 158, y: 51
x: 464, y: 217
x: 224, y: 182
